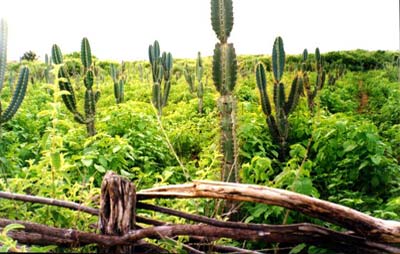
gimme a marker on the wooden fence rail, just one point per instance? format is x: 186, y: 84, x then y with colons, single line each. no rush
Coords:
x: 119, y: 231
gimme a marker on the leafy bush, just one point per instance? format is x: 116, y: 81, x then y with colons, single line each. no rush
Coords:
x: 352, y: 155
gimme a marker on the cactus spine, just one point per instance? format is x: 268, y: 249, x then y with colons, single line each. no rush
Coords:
x: 224, y: 76
x: 200, y: 87
x: 119, y: 83
x: 161, y: 67
x: 319, y: 82
x: 91, y: 97
x: 278, y: 124
x: 20, y: 89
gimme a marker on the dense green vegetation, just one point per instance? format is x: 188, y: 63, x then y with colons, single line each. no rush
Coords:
x: 347, y: 152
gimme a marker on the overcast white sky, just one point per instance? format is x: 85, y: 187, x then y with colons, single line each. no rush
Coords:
x: 123, y: 29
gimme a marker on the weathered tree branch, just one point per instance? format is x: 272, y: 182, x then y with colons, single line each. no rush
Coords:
x: 303, y: 235
x: 363, y: 224
x: 49, y: 201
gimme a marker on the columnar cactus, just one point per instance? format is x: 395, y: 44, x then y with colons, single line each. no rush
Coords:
x: 319, y: 82
x: 20, y: 89
x: 47, y: 62
x: 64, y: 83
x: 161, y: 67
x: 119, y: 83
x: 278, y: 124
x: 224, y: 76
x: 199, y: 76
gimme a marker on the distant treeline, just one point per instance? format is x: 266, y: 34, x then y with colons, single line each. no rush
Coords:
x: 353, y: 60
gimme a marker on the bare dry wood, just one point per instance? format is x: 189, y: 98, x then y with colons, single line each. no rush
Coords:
x: 363, y: 224
x: 306, y: 235
x: 49, y: 201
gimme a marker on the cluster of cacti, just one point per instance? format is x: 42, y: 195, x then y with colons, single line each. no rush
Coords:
x: 161, y: 67
x: 335, y: 73
x: 311, y: 92
x: 278, y: 124
x: 20, y: 89
x: 119, y: 79
x: 224, y: 76
x: 91, y: 97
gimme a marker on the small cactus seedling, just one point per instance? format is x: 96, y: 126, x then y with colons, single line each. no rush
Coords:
x: 312, y: 89
x: 278, y: 124
x: 64, y: 83
x: 161, y: 67
x: 20, y: 88
x: 224, y: 73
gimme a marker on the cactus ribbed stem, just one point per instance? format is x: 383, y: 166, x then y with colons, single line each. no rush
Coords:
x: 224, y: 74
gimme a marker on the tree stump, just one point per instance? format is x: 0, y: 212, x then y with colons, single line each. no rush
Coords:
x: 117, y: 210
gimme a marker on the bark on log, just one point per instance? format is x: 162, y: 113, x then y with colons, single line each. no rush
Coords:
x: 363, y: 224
x: 117, y: 210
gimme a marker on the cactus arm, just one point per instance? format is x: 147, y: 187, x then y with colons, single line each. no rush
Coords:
x: 222, y: 18
x: 114, y: 73
x: 167, y: 62
x: 262, y: 87
x: 278, y: 59
x: 296, y: 88
x: 19, y: 94
x: 56, y: 54
x: 318, y: 59
x: 199, y: 67
x: 116, y: 92
x: 86, y: 53
x: 305, y: 55
x: 89, y: 79
x: 121, y: 90
x: 3, y: 51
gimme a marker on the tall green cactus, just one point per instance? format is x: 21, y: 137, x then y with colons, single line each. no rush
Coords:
x: 3, y: 51
x: 64, y: 83
x: 224, y: 76
x: 119, y: 80
x: 20, y: 89
x: 312, y: 89
x: 161, y: 67
x: 200, y: 87
x: 278, y: 124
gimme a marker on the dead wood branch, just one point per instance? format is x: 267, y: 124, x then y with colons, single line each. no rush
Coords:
x: 302, y: 235
x: 363, y: 224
